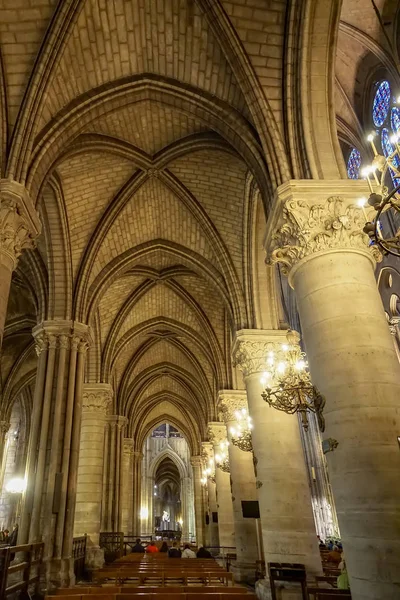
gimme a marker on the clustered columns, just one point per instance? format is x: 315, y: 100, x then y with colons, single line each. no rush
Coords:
x: 212, y: 536
x: 316, y: 232
x: 112, y: 480
x: 137, y: 491
x: 127, y: 486
x: 284, y: 496
x: 19, y: 225
x: 48, y: 507
x: 243, y: 487
x: 97, y: 401
x: 226, y: 527
x: 197, y: 464
x: 4, y: 427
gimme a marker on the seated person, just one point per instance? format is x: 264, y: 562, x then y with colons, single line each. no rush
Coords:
x: 334, y: 556
x: 164, y: 547
x: 151, y: 548
x: 203, y: 553
x: 188, y: 552
x: 174, y: 552
x: 138, y: 546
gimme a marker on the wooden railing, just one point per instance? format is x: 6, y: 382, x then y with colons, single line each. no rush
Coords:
x: 78, y: 554
x: 27, y: 560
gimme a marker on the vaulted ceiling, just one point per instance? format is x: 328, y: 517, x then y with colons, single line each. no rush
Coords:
x: 150, y: 171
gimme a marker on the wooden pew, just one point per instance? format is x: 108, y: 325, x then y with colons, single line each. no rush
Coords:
x: 317, y: 593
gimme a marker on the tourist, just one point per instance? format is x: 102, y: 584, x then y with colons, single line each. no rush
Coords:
x: 151, y: 548
x: 203, y: 553
x: 164, y: 547
x: 334, y: 556
x: 320, y: 542
x: 174, y: 552
x: 188, y: 552
x: 138, y: 547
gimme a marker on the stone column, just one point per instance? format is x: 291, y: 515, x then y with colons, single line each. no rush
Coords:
x: 137, y: 492
x: 19, y: 225
x: 127, y: 486
x: 226, y: 527
x: 316, y: 231
x: 284, y: 496
x: 112, y: 512
x: 4, y: 427
x: 97, y: 399
x: 48, y: 505
x: 197, y: 465
x: 243, y: 488
x: 213, y: 531
x: 186, y: 484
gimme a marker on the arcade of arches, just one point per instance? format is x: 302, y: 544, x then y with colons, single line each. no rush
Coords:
x: 179, y: 186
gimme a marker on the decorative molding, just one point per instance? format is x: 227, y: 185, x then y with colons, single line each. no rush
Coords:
x: 230, y: 402
x: 128, y: 444
x: 19, y: 221
x: 118, y: 420
x: 251, y: 348
x: 97, y: 398
x: 394, y: 325
x: 310, y: 218
x: 197, y: 461
x: 62, y: 334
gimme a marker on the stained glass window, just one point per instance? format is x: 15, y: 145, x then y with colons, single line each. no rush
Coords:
x: 381, y: 103
x: 395, y: 119
x: 354, y: 164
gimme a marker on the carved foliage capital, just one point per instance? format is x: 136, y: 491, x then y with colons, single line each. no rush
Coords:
x: 307, y: 222
x: 197, y: 461
x: 230, y: 402
x: 97, y: 398
x: 128, y: 447
x: 252, y: 347
x: 216, y: 432
x: 19, y: 221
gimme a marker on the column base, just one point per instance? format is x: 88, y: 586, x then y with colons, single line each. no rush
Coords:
x: 94, y: 558
x: 284, y: 591
x: 243, y: 572
x: 58, y: 572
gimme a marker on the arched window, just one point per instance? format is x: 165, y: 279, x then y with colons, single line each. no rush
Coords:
x: 386, y: 120
x: 354, y: 164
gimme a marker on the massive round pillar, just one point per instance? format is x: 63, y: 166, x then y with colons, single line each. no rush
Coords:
x: 287, y: 521
x: 226, y: 523
x: 316, y: 231
x: 197, y: 464
x: 97, y: 398
x: 243, y: 483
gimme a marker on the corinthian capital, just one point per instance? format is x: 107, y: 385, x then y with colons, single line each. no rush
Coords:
x: 19, y: 221
x: 97, y: 398
x: 216, y: 432
x: 311, y: 217
x: 253, y: 346
x: 230, y: 402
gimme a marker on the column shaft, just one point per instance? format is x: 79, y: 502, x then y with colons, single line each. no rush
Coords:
x: 284, y: 496
x: 127, y: 486
x: 197, y: 462
x: 97, y: 399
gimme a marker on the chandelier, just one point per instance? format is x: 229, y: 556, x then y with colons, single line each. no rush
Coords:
x: 209, y: 473
x: 380, y: 198
x: 241, y: 434
x: 287, y: 382
x: 222, y: 458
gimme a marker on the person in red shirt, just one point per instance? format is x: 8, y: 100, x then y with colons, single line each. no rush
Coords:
x: 152, y: 547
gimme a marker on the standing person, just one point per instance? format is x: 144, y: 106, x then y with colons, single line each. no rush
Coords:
x: 174, y: 552
x: 151, y: 548
x: 138, y: 547
x: 188, y: 552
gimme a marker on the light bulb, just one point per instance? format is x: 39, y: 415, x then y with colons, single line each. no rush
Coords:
x: 394, y: 139
x: 16, y: 486
x: 233, y: 431
x: 370, y: 137
x: 300, y: 365
x: 281, y: 367
x: 362, y: 201
x: 270, y: 361
x: 285, y: 347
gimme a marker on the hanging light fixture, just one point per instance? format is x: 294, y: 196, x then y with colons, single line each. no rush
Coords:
x: 287, y: 382
x: 380, y: 198
x: 241, y: 433
x: 222, y: 458
x: 209, y: 472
